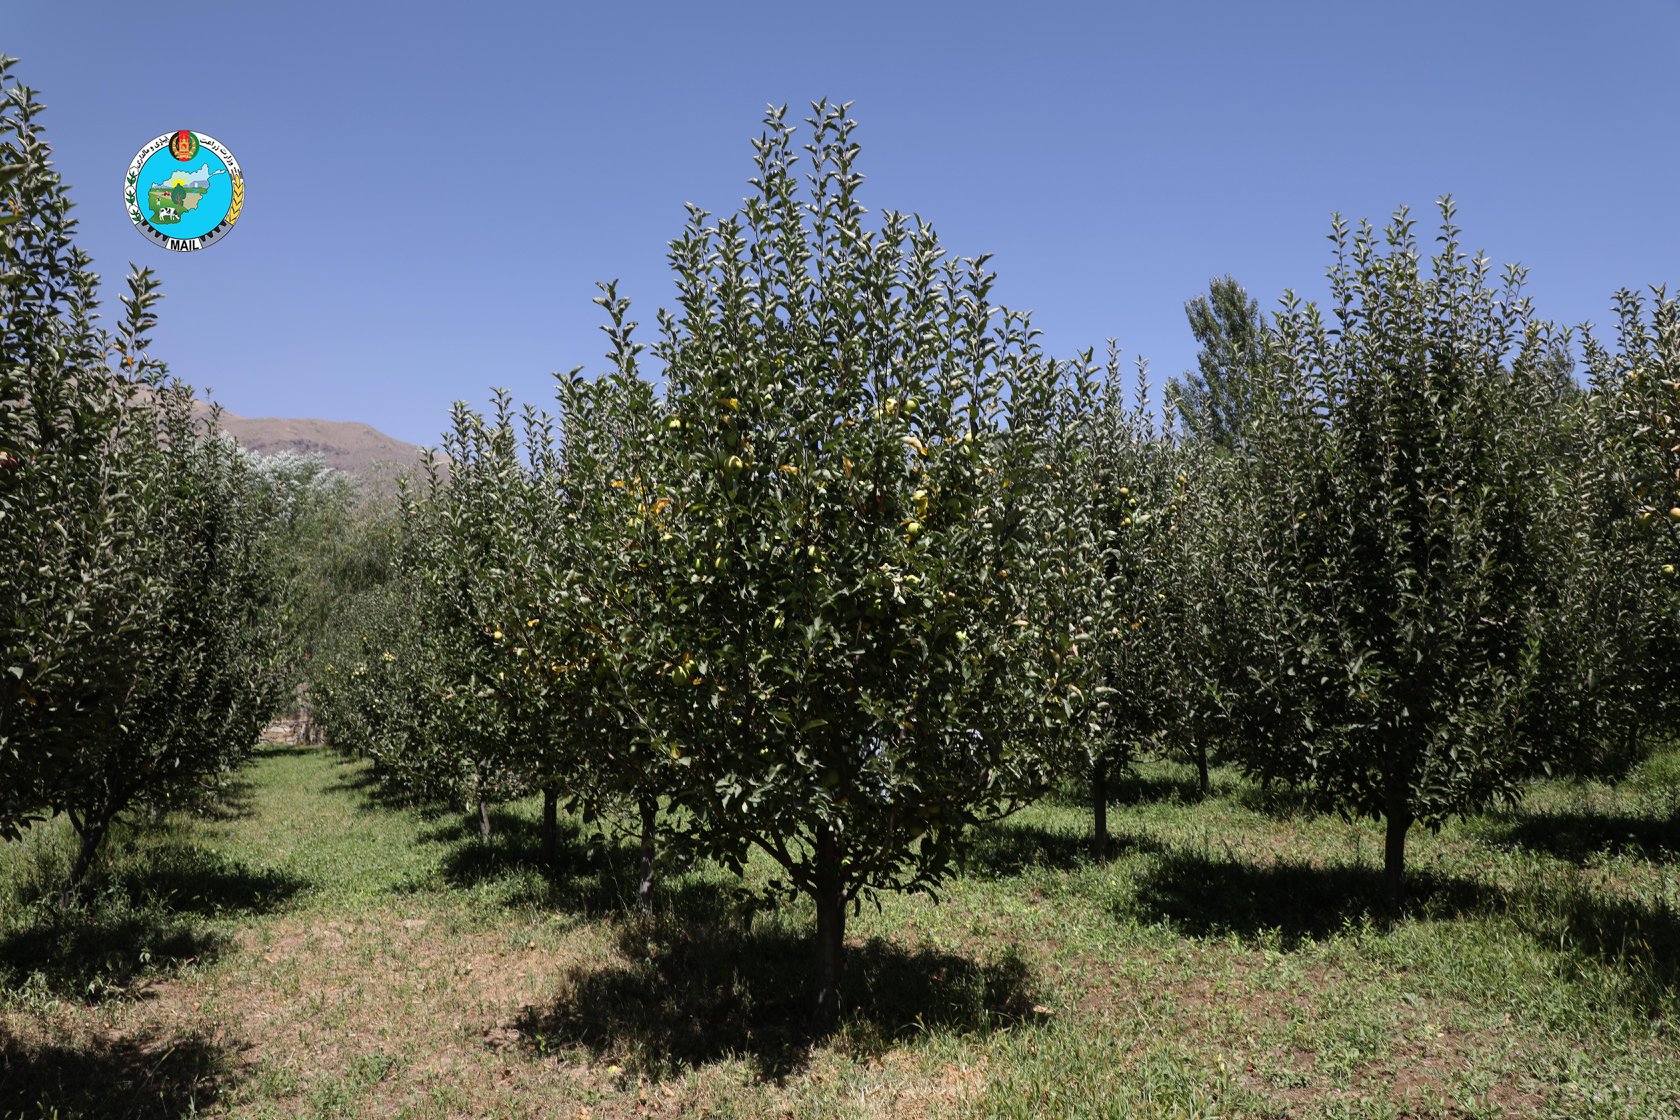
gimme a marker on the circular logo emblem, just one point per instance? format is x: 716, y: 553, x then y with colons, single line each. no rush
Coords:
x: 184, y: 190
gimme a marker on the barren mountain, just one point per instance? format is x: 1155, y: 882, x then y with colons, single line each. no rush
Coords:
x: 358, y: 449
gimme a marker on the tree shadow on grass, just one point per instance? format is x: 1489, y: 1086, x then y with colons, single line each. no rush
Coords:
x: 1280, y: 801
x: 513, y: 836
x: 1203, y: 896
x: 100, y: 953
x: 588, y: 874
x: 286, y: 750
x: 1135, y: 787
x: 235, y: 801
x: 694, y: 992
x: 1130, y: 785
x: 1577, y: 837
x: 378, y: 792
x: 591, y: 872
x: 1639, y: 940
x: 148, y: 1078
x: 187, y: 879
x: 137, y: 916
x: 1009, y: 848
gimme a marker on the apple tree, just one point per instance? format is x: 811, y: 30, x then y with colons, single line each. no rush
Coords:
x: 864, y: 615
x: 1401, y: 515
x: 371, y: 692
x: 1125, y: 498
x: 605, y: 589
x: 472, y: 612
x: 1202, y: 608
x: 204, y: 650
x: 1636, y: 399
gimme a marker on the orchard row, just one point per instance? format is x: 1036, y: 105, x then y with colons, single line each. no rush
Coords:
x: 865, y: 567
x: 868, y: 567
x: 145, y: 582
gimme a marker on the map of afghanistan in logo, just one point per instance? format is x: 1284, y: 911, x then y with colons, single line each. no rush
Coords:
x: 184, y: 190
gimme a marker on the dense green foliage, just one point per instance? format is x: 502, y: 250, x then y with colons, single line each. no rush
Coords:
x: 1635, y: 501
x: 866, y: 576
x: 1127, y: 492
x: 819, y: 597
x: 1410, y: 492
x: 328, y: 544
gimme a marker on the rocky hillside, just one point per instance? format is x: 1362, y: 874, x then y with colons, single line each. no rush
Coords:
x: 357, y: 449
x: 349, y: 446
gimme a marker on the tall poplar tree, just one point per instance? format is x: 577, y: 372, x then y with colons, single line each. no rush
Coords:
x: 1213, y: 399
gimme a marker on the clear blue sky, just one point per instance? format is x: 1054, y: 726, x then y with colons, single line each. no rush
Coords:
x: 1111, y: 156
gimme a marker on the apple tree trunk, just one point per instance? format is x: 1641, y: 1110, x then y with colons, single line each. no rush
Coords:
x: 831, y: 933
x: 1099, y: 811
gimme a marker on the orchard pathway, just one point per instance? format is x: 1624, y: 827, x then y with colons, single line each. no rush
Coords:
x: 316, y: 950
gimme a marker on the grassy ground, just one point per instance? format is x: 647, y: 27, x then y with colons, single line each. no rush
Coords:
x: 314, y: 951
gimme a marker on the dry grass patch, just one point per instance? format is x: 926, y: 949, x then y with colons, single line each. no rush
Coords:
x: 320, y: 952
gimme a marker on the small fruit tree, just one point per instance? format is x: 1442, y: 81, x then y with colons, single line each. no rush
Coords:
x: 207, y: 664
x: 322, y: 541
x: 604, y: 590
x: 1636, y: 388
x: 1400, y: 503
x: 1201, y: 612
x: 373, y: 688
x: 863, y: 579
x: 1639, y: 381
x: 416, y: 678
x: 533, y: 563
x: 1125, y: 498
x: 461, y: 564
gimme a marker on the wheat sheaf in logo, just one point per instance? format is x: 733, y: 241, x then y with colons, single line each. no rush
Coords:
x: 184, y: 190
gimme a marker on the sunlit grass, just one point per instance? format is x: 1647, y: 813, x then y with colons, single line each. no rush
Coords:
x: 316, y: 950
